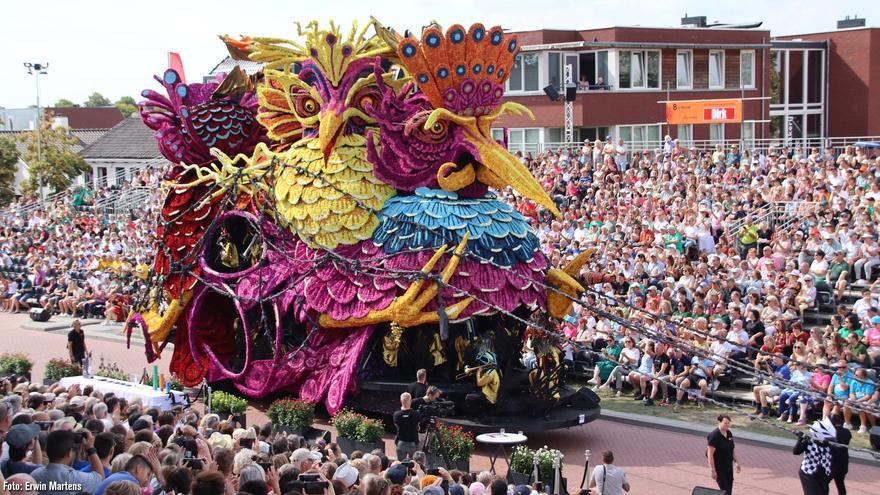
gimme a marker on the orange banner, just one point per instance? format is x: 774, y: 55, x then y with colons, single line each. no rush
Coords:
x: 704, y: 111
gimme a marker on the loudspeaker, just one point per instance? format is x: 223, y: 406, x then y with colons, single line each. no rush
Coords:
x: 875, y: 437
x: 702, y: 490
x: 39, y: 314
x: 552, y: 92
x: 570, y: 92
x: 585, y: 399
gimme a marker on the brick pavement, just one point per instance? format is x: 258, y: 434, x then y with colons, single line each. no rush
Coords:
x: 656, y: 461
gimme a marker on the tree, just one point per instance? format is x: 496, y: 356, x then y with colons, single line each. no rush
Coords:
x: 8, y: 162
x: 97, y: 100
x: 58, y: 164
x: 126, y: 105
x: 64, y: 103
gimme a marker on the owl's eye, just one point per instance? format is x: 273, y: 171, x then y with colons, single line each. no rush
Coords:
x: 306, y: 106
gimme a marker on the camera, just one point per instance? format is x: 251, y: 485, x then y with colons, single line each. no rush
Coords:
x: 79, y: 436
x: 438, y: 408
x: 309, y: 483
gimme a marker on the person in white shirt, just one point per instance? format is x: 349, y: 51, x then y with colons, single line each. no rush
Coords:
x: 608, y: 479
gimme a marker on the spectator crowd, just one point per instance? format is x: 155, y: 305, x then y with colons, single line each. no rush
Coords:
x: 88, y: 442
x: 71, y: 257
x: 722, y: 254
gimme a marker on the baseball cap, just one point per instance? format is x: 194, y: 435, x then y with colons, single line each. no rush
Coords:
x: 345, y: 473
x: 300, y: 455
x: 142, y: 424
x: 522, y: 490
x: 457, y: 489
x: 77, y: 402
x: 875, y: 320
x: 433, y: 490
x: 397, y: 474
x: 21, y: 435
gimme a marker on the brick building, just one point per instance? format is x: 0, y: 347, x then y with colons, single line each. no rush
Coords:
x: 623, y: 75
x: 845, y: 65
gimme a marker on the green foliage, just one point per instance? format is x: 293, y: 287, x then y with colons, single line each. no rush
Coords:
x: 126, y: 105
x: 97, y: 100
x: 453, y: 444
x: 225, y: 403
x: 8, y: 162
x: 292, y: 412
x: 64, y: 103
x: 521, y: 459
x: 370, y: 431
x: 346, y: 423
x: 54, y: 160
x: 15, y: 363
x: 175, y: 384
x: 58, y: 368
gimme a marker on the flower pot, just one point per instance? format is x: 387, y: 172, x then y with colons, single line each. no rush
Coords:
x: 307, y: 432
x: 367, y: 447
x: 347, y: 445
x: 515, y: 478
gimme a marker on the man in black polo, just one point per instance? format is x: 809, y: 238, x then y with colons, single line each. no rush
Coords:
x: 407, y: 422
x: 419, y: 387
x: 76, y: 343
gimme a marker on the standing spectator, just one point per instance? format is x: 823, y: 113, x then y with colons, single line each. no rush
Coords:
x: 721, y: 454
x: 608, y: 479
x: 407, y: 422
x: 76, y: 343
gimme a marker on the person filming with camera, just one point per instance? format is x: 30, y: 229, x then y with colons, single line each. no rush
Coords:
x: 60, y: 450
x: 406, y: 420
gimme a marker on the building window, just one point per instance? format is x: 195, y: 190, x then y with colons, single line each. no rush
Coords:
x: 748, y: 135
x: 525, y: 140
x: 498, y: 135
x: 685, y: 134
x: 639, y: 69
x: 716, y: 69
x: 716, y: 133
x: 684, y: 68
x: 747, y: 69
x: 554, y: 70
x: 524, y: 74
x: 639, y: 136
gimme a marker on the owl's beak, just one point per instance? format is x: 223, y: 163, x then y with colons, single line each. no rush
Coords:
x: 328, y: 132
x: 498, y: 168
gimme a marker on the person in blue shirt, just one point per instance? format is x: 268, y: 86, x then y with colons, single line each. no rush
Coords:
x: 788, y: 398
x: 104, y: 445
x: 139, y: 469
x: 838, y: 390
x: 776, y: 368
x: 863, y: 391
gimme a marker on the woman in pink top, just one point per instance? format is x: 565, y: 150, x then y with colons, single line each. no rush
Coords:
x: 819, y: 382
x: 872, y: 337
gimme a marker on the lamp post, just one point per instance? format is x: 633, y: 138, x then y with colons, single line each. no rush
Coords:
x: 36, y: 69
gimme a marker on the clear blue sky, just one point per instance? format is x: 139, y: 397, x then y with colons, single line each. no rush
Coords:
x: 114, y: 47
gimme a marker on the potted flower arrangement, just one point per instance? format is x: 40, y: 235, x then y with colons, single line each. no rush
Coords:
x: 546, y: 458
x: 228, y: 406
x: 175, y: 384
x: 16, y: 363
x: 369, y: 435
x: 112, y: 371
x: 346, y: 423
x: 58, y: 368
x: 521, y: 465
x: 293, y: 416
x: 452, y: 447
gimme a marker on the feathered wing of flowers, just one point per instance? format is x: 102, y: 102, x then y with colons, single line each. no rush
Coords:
x: 357, y: 157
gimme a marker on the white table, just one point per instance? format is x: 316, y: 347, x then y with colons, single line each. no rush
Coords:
x: 501, y: 441
x: 159, y: 399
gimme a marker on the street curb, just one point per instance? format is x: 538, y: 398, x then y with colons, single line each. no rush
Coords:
x: 700, y: 429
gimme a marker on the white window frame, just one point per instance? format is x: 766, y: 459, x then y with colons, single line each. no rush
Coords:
x: 541, y: 77
x: 643, y: 68
x: 687, y: 137
x: 690, y: 69
x: 741, y: 83
x: 748, y: 143
x: 522, y: 145
x: 718, y: 139
x: 721, y: 75
x: 632, y: 130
